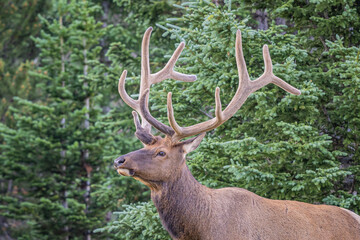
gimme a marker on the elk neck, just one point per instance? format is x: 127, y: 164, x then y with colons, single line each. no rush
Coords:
x: 182, y: 204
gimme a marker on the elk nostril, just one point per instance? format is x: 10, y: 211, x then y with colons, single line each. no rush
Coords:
x: 119, y: 160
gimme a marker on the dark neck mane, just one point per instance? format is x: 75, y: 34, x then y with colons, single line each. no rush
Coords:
x: 182, y: 204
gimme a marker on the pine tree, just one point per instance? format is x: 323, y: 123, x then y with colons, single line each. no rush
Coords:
x: 329, y: 31
x: 54, y: 153
x: 19, y: 22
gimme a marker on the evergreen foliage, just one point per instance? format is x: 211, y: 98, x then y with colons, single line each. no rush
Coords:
x: 54, y: 152
x: 137, y: 221
x: 19, y: 22
x: 329, y: 31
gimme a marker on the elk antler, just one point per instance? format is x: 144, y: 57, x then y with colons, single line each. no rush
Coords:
x: 245, y: 88
x: 143, y: 130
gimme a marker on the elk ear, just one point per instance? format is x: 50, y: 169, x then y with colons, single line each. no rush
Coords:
x: 192, y: 143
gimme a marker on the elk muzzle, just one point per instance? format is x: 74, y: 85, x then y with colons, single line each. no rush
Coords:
x: 119, y: 165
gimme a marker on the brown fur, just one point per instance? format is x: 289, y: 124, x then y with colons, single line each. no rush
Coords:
x: 189, y: 210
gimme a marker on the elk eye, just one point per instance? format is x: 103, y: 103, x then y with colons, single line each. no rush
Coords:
x: 161, y: 154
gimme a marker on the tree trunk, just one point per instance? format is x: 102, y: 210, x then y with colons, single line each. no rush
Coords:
x: 63, y: 122
x: 262, y: 18
x: 86, y: 152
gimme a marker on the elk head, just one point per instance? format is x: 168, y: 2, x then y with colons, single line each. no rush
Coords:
x: 162, y: 159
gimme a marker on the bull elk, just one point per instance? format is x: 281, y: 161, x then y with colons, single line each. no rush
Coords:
x: 189, y: 210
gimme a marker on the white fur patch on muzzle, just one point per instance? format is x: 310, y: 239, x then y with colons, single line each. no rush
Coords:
x: 124, y: 172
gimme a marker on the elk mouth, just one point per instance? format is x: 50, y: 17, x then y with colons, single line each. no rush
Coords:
x: 125, y: 172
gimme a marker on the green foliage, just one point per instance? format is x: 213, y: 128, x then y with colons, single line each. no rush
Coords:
x: 16, y: 83
x: 345, y: 107
x: 137, y: 221
x: 277, y: 145
x: 18, y: 22
x: 318, y: 20
x: 54, y: 151
x: 344, y: 200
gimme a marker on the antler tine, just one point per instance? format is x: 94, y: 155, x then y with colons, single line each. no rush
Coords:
x: 170, y: 111
x: 245, y: 88
x: 145, y: 136
x: 218, y: 109
x: 268, y: 76
x: 145, y: 63
x: 121, y: 88
x: 240, y: 61
x: 168, y: 70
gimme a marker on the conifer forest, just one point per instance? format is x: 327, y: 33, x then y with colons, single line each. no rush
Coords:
x: 62, y: 121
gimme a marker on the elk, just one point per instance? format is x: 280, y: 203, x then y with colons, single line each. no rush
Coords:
x: 189, y: 210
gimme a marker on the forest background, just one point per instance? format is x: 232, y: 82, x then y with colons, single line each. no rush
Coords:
x: 63, y: 122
